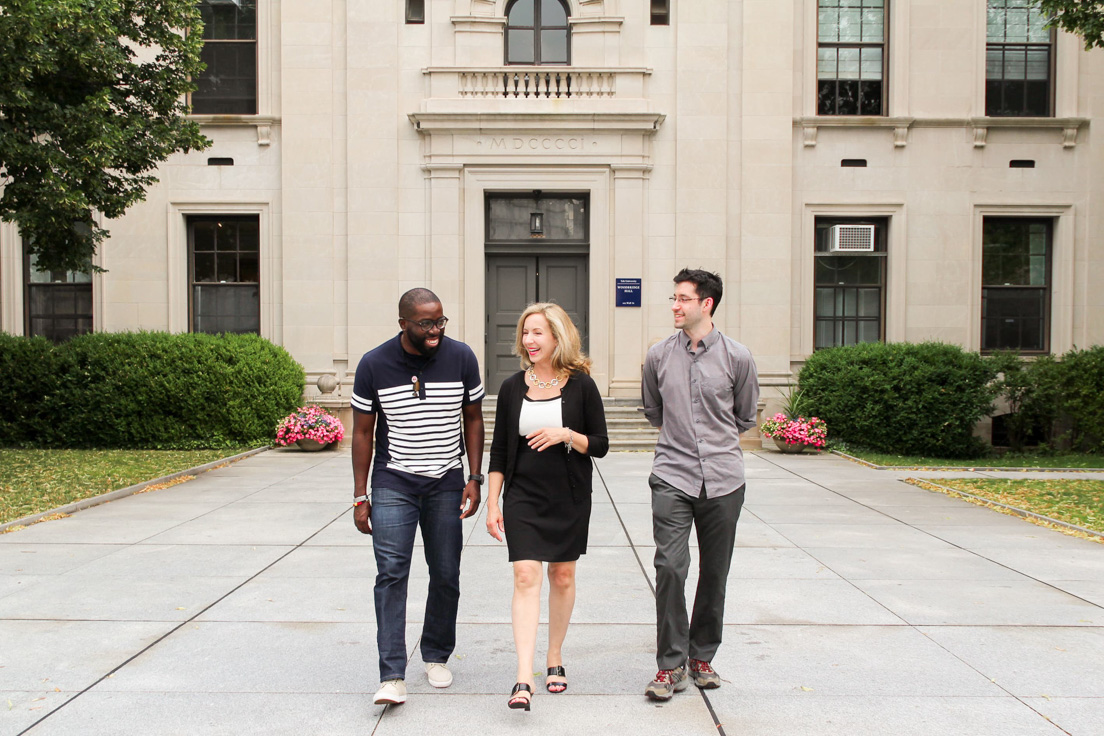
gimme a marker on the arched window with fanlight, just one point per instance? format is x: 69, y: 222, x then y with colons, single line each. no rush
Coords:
x: 537, y: 32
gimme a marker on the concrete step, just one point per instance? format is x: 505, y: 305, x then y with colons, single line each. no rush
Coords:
x: 626, y: 426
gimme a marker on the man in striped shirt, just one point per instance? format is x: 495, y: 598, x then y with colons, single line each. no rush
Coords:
x: 417, y: 403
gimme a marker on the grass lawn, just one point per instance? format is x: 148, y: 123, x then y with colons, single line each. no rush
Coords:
x: 33, y: 481
x: 1007, y: 460
x: 1073, y: 501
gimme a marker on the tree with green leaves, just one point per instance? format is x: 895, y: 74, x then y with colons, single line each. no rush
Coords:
x: 92, y: 99
x: 1082, y: 17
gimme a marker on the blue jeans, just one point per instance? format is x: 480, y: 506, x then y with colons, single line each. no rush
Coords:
x: 395, y: 518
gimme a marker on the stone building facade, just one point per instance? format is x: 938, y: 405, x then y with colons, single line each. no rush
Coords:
x: 898, y: 170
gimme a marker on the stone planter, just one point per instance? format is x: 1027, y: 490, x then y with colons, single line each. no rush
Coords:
x: 790, y: 449
x: 309, y: 445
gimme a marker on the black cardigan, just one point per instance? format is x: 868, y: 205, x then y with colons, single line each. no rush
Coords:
x: 582, y: 411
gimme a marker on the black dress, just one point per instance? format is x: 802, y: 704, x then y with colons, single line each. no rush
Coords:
x: 542, y: 519
x: 546, y: 498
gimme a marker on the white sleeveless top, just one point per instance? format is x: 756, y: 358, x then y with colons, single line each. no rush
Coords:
x: 537, y: 414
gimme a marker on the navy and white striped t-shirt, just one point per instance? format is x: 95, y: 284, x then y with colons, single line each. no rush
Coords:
x: 419, y: 433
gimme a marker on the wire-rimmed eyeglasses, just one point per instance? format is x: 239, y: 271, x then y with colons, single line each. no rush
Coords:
x: 684, y: 299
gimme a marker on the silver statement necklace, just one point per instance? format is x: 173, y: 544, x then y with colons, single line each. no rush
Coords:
x: 539, y: 383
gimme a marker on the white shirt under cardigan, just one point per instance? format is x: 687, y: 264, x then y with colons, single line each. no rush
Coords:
x: 538, y: 414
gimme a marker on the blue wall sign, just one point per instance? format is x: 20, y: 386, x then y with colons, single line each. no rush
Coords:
x: 628, y: 292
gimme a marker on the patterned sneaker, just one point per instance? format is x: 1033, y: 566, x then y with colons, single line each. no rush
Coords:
x: 391, y: 692
x: 703, y: 675
x: 667, y: 683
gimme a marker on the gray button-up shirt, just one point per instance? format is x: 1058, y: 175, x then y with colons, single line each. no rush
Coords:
x: 702, y: 399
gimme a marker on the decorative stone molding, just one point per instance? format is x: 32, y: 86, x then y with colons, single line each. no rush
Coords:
x: 263, y: 124
x: 1070, y: 126
x: 811, y: 125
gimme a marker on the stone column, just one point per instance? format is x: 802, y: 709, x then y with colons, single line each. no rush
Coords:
x: 444, y: 262
x: 310, y: 153
x: 629, y: 214
x: 764, y: 249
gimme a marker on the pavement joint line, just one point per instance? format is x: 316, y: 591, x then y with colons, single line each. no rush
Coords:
x: 918, y: 628
x: 624, y: 528
x: 919, y: 482
x: 651, y: 587
x: 952, y: 491
x: 181, y: 625
x: 922, y: 531
x: 319, y: 461
x: 822, y: 562
x: 87, y: 503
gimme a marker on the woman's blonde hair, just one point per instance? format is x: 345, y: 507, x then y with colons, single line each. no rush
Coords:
x: 568, y: 355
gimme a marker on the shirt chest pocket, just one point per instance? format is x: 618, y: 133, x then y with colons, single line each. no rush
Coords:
x: 717, y: 386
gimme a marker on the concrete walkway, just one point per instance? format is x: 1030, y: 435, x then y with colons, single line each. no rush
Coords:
x: 241, y: 603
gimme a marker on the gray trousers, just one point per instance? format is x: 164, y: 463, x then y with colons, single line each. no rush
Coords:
x: 673, y: 512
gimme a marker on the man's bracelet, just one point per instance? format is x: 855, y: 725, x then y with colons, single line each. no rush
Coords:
x: 358, y: 500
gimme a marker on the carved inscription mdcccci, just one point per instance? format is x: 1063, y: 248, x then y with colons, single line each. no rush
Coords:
x: 536, y: 143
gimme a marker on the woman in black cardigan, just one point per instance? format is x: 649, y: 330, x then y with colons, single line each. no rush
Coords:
x: 548, y: 425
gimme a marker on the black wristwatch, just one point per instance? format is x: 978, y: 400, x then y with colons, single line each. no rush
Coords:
x: 477, y: 478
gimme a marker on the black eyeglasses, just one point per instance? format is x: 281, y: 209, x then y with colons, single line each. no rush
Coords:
x: 425, y: 324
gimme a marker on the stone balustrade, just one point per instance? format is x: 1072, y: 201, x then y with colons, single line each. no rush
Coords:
x: 537, y: 83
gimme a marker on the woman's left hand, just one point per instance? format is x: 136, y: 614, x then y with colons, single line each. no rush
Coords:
x: 547, y: 436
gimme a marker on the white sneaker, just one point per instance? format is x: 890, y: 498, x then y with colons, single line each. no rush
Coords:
x: 391, y: 692
x: 438, y: 674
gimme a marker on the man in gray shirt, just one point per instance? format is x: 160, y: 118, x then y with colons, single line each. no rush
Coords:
x: 701, y: 388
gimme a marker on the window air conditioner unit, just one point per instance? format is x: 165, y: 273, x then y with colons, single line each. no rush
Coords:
x: 852, y: 239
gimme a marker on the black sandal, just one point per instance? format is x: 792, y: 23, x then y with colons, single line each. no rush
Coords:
x: 557, y: 671
x: 517, y: 702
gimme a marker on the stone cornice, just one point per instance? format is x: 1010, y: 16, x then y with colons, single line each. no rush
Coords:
x: 479, y: 23
x: 591, y: 24
x: 463, y: 122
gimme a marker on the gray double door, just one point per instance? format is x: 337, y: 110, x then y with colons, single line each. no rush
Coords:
x: 514, y: 282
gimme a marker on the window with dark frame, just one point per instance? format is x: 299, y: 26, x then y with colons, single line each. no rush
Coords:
x: 852, y: 58
x: 563, y: 218
x: 1015, y: 284
x: 661, y: 12
x: 228, y: 86
x: 57, y: 305
x: 415, y: 12
x: 537, y: 32
x: 1019, y: 60
x: 224, y: 274
x: 850, y: 288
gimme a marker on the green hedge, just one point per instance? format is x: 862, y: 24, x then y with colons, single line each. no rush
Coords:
x: 903, y: 398
x: 28, y: 374
x: 1080, y: 392
x: 149, y: 390
x: 1061, y: 399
